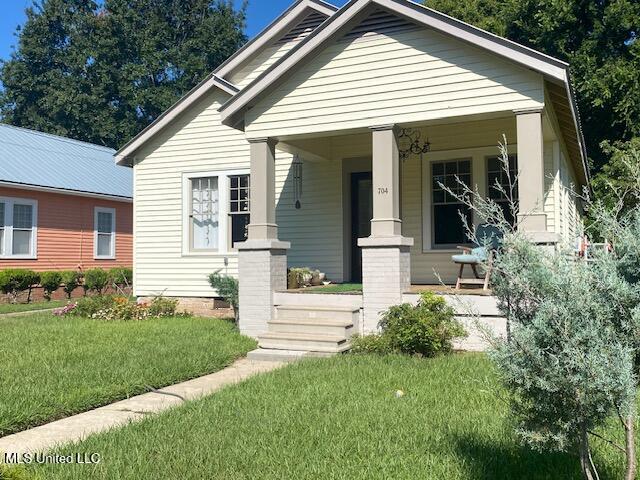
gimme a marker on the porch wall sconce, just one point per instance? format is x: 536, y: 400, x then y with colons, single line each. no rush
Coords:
x: 297, y: 180
x: 410, y: 139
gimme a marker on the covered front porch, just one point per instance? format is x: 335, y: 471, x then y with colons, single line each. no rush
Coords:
x: 325, y: 194
x: 345, y: 203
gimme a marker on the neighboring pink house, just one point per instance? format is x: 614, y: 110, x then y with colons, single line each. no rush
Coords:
x: 64, y: 204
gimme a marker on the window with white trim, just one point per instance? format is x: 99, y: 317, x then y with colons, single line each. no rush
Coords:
x: 204, y: 222
x: 104, y: 233
x: 18, y: 218
x: 216, y: 211
x: 448, y: 229
x: 238, y: 208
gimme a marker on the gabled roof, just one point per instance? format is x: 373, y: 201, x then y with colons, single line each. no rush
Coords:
x: 353, y: 11
x: 289, y: 18
x: 554, y: 70
x: 34, y: 159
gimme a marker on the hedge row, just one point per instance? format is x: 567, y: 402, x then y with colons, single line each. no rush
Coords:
x: 15, y: 281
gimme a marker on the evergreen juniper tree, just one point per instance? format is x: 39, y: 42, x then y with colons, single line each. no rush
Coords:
x: 570, y: 360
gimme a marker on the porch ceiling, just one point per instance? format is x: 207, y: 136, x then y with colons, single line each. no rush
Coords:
x: 451, y: 134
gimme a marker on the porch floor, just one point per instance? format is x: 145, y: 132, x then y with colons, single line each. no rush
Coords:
x: 356, y: 289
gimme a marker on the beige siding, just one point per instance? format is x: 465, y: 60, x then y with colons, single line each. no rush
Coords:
x: 198, y: 142
x: 248, y: 72
x: 571, y: 221
x: 549, y: 187
x: 314, y: 230
x: 195, y: 142
x: 411, y: 75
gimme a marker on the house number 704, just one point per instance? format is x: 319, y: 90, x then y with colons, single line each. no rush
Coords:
x: 383, y: 190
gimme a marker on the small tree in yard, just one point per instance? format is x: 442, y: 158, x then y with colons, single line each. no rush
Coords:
x: 570, y: 358
x: 14, y: 281
x: 70, y: 281
x: 96, y: 280
x: 227, y: 288
x: 50, y: 282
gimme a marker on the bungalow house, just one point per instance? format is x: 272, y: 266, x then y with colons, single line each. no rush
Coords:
x: 297, y: 152
x: 63, y: 203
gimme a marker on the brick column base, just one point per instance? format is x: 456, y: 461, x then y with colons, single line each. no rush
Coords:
x: 262, y: 270
x: 386, y: 275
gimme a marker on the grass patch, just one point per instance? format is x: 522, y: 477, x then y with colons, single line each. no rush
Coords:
x: 336, y: 288
x: 53, y: 367
x: 26, y: 307
x: 335, y: 418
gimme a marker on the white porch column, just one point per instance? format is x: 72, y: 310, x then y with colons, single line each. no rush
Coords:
x: 262, y: 259
x: 532, y: 218
x: 386, y: 268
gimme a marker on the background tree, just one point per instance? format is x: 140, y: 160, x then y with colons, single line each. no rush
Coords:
x: 615, y: 183
x: 599, y: 40
x: 101, y: 73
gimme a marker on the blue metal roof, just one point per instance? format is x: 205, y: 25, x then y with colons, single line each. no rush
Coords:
x: 40, y: 159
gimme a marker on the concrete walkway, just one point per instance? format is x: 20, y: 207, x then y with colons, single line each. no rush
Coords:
x: 79, y: 426
x: 26, y: 312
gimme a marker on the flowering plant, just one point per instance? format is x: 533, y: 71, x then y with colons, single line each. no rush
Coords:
x: 62, y: 311
x: 123, y: 308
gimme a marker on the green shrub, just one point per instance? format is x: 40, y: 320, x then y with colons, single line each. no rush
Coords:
x: 162, y: 307
x: 425, y: 329
x: 50, y: 282
x: 227, y: 288
x: 96, y: 280
x: 70, y: 281
x: 14, y: 281
x: 372, y: 343
x: 88, y: 306
x: 121, y: 276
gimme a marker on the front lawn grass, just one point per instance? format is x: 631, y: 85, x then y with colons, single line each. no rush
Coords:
x: 25, y: 307
x: 352, y: 288
x: 336, y: 418
x: 52, y: 367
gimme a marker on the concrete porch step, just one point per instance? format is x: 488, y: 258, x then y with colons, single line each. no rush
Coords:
x: 316, y: 313
x: 304, y: 341
x: 342, y: 328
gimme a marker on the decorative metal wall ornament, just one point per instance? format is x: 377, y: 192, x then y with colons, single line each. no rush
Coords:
x: 297, y: 180
x: 409, y: 143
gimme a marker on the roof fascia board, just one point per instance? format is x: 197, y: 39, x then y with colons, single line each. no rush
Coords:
x: 64, y: 191
x: 278, y: 27
x: 579, y: 135
x: 516, y: 52
x: 172, y: 112
x: 549, y: 66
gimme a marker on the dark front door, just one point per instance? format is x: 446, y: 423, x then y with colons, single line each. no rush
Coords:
x: 361, y: 214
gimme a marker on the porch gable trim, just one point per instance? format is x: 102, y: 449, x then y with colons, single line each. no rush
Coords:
x: 231, y: 112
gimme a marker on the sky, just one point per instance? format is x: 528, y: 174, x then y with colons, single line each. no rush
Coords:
x: 259, y: 14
